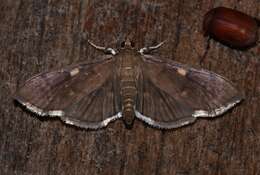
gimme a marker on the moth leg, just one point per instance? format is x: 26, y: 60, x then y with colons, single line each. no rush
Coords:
x: 103, y: 49
x: 147, y: 50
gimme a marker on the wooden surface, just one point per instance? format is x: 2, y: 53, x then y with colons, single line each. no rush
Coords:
x: 41, y: 35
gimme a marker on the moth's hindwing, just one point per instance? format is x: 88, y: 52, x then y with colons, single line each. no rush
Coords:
x: 172, y: 95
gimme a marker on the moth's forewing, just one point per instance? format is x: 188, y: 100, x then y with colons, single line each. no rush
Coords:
x: 81, y: 95
x: 173, y: 95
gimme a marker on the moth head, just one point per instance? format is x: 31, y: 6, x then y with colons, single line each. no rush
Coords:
x: 127, y: 44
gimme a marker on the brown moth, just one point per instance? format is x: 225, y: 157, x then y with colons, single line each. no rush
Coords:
x: 128, y: 85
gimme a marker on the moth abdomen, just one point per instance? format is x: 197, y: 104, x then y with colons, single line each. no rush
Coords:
x: 128, y: 94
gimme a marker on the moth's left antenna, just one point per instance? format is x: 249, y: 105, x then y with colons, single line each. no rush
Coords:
x: 103, y: 49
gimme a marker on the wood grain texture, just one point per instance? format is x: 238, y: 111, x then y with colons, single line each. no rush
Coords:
x: 42, y: 35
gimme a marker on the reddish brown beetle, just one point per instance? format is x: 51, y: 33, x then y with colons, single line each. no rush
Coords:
x: 231, y: 27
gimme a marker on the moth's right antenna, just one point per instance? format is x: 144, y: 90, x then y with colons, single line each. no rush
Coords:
x: 147, y: 50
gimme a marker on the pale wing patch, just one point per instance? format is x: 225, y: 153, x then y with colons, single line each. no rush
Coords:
x: 74, y: 72
x: 164, y: 125
x: 216, y: 112
x: 91, y: 125
x: 40, y: 112
x: 182, y: 71
x: 70, y: 121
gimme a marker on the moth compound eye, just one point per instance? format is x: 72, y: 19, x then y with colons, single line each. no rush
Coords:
x: 132, y: 44
x: 231, y: 27
x: 123, y: 44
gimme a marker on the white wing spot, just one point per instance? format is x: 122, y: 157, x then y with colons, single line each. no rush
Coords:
x: 56, y: 113
x: 181, y: 71
x: 74, y: 72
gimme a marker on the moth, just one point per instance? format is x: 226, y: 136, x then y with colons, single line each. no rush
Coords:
x: 128, y: 84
